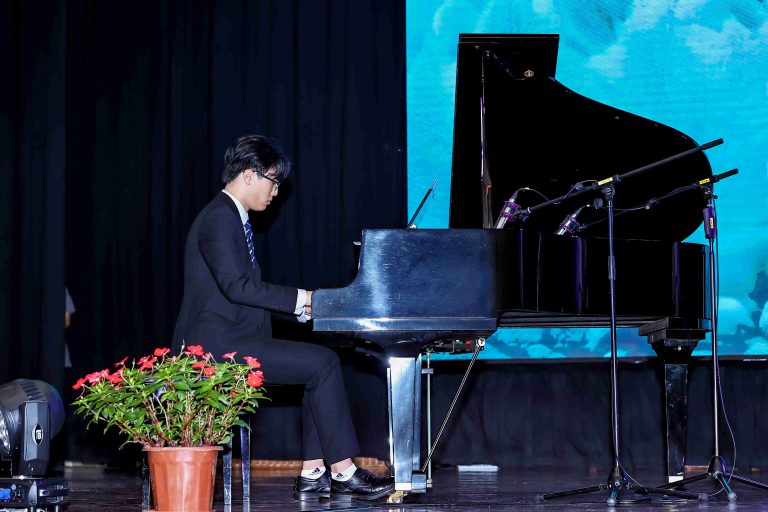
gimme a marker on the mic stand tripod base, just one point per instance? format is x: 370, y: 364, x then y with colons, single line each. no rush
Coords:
x: 716, y: 471
x: 618, y: 482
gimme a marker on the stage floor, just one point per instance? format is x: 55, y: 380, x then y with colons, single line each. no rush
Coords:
x: 100, y: 490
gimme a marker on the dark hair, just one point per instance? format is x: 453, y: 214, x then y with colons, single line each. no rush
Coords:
x: 257, y: 153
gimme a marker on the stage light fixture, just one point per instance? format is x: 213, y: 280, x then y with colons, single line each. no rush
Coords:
x: 31, y: 414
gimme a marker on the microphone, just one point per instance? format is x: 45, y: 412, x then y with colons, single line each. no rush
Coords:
x: 508, y: 210
x: 718, y: 177
x: 569, y: 224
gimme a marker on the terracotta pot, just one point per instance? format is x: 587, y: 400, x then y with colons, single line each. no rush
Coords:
x: 182, y: 478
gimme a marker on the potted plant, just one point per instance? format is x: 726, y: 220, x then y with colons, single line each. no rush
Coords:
x: 180, y: 409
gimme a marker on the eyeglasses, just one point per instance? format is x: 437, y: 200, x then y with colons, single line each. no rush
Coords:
x: 275, y: 182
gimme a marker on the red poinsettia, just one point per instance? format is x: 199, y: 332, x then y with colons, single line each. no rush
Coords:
x: 185, y: 400
x: 146, y: 363
x: 252, y: 361
x: 195, y: 350
x: 255, y: 379
x: 115, y: 378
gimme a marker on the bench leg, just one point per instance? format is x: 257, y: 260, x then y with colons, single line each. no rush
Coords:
x: 146, y: 485
x: 227, y: 474
x: 245, y: 458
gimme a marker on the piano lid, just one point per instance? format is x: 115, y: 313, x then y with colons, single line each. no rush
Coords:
x: 542, y: 135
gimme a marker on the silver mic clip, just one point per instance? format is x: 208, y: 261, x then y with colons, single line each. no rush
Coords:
x: 508, y: 211
x: 569, y: 224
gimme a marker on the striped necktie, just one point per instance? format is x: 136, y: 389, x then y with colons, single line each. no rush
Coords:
x: 249, y: 239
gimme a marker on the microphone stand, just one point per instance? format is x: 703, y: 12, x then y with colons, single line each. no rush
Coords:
x: 617, y: 478
x: 716, y: 470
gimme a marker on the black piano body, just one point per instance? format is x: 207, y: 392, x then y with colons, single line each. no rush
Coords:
x: 401, y: 301
x: 415, y: 288
x: 418, y: 287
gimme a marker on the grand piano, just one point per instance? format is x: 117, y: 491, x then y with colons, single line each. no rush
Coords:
x: 517, y: 128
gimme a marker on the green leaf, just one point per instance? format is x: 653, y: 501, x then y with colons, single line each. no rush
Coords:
x: 171, y: 403
x: 241, y: 423
x: 181, y: 385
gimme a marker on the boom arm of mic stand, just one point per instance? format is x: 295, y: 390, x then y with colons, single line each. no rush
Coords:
x: 656, y: 200
x: 663, y: 161
x: 620, y: 177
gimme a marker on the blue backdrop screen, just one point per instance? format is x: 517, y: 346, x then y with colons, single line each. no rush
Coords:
x: 700, y: 66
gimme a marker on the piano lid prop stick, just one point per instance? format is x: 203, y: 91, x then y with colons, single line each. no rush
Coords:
x: 411, y: 224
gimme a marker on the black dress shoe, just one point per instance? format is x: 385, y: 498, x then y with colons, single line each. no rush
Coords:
x: 309, y: 489
x: 363, y: 485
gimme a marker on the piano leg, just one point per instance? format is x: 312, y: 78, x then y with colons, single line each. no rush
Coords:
x: 676, y: 398
x: 673, y: 340
x: 404, y: 394
x: 675, y: 352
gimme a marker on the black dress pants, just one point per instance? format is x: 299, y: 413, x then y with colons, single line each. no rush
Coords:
x: 327, y: 429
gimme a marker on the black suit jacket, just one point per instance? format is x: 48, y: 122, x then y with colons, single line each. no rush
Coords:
x: 225, y: 300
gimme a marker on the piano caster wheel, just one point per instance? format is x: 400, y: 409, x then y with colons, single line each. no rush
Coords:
x: 396, y: 497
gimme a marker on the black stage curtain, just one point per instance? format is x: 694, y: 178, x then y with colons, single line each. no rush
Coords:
x: 156, y: 91
x: 557, y: 415
x: 522, y: 415
x: 32, y: 158
x: 137, y: 101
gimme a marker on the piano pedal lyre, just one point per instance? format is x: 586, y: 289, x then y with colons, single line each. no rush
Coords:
x: 429, y: 371
x: 478, y: 345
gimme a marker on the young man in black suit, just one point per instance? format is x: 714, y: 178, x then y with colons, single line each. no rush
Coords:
x: 226, y: 308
